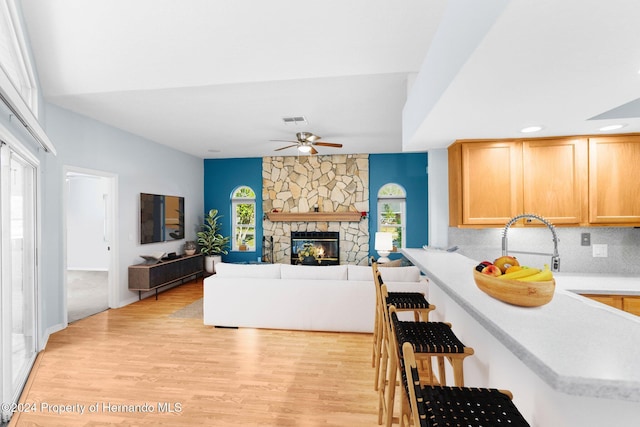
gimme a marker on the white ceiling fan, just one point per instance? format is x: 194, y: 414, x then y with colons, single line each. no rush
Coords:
x: 306, y: 142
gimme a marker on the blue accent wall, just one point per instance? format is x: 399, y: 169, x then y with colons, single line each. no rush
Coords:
x: 410, y: 171
x: 221, y: 177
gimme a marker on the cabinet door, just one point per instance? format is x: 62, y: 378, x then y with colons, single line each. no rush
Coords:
x: 631, y: 304
x: 491, y: 182
x: 555, y: 179
x: 614, y: 301
x: 614, y: 187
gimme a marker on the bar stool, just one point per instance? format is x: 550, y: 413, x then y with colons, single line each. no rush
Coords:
x: 429, y: 340
x: 453, y: 406
x: 403, y: 301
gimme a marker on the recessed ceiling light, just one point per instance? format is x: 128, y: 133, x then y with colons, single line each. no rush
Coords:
x: 612, y: 127
x: 530, y: 129
x: 213, y: 150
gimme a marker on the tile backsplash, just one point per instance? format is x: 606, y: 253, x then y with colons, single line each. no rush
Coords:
x: 623, y: 247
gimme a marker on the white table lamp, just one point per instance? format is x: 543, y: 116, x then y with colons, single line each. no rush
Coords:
x: 384, y: 246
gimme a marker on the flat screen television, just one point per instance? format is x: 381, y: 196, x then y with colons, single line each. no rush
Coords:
x: 161, y: 218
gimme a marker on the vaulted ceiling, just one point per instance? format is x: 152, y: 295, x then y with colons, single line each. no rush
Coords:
x: 215, y: 78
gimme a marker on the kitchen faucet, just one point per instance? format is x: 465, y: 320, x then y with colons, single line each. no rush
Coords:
x: 555, y: 258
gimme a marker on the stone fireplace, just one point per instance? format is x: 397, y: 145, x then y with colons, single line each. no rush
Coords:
x: 328, y: 242
x: 337, y: 183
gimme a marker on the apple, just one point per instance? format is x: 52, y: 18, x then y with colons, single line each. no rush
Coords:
x: 505, y: 262
x: 482, y: 265
x: 492, y: 270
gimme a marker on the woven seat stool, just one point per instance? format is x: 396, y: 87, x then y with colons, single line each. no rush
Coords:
x: 430, y: 406
x: 403, y: 301
x: 430, y: 340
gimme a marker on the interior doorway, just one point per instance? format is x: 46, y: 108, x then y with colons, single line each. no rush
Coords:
x: 89, y: 245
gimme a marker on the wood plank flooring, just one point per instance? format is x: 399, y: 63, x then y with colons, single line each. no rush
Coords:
x: 136, y: 366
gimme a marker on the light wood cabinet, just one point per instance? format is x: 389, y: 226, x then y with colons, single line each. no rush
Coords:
x: 614, y: 301
x: 485, y: 184
x: 628, y: 303
x: 555, y: 179
x: 614, y: 184
x: 492, y: 181
x: 631, y: 305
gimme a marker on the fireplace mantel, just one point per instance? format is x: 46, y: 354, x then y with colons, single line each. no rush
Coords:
x: 314, y: 216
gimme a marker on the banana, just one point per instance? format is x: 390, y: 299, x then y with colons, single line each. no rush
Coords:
x: 523, y: 272
x: 542, y: 276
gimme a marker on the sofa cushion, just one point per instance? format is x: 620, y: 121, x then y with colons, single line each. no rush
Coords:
x: 360, y: 273
x: 322, y: 272
x: 253, y: 271
x: 394, y: 263
x: 400, y: 274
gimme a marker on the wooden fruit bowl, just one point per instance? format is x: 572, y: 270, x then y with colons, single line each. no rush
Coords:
x: 516, y: 292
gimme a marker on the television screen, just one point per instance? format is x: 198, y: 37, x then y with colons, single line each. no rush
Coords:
x: 161, y: 218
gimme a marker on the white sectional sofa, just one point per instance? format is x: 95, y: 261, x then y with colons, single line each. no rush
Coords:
x: 312, y: 298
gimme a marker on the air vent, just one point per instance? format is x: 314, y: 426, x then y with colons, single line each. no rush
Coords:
x: 294, y: 120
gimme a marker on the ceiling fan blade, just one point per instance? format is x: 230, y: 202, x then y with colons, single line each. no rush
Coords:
x: 284, y: 140
x: 328, y: 144
x: 284, y: 148
x: 314, y: 151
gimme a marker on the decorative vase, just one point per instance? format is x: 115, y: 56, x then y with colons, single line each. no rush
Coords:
x: 309, y: 260
x: 189, y: 247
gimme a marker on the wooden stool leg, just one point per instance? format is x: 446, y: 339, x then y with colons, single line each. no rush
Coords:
x: 458, y: 372
x: 441, y: 372
x: 382, y: 383
x: 375, y: 353
x: 391, y: 392
x: 382, y: 337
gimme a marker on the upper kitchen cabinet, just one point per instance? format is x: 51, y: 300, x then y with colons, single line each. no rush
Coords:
x: 492, y: 181
x: 485, y: 182
x: 614, y: 180
x: 555, y: 179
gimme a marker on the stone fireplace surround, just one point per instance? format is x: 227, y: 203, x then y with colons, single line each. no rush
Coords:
x: 335, y: 183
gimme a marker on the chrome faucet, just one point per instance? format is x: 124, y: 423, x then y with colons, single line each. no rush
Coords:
x: 555, y: 258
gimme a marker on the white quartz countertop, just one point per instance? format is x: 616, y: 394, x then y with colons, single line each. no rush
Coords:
x: 575, y: 345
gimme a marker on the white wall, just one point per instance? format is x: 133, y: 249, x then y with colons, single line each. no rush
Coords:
x: 140, y: 166
x: 438, y: 198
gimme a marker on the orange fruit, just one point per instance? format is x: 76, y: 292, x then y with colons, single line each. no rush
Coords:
x: 513, y: 268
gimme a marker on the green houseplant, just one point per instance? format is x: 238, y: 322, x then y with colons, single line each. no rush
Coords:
x: 212, y: 243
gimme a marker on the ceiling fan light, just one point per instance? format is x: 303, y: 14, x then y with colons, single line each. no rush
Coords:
x: 304, y: 148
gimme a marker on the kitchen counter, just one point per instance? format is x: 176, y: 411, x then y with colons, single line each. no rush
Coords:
x: 575, y: 346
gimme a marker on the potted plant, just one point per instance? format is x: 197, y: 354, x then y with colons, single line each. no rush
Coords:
x: 212, y: 243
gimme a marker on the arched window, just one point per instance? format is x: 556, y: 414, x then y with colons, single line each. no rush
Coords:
x: 243, y: 208
x: 392, y: 201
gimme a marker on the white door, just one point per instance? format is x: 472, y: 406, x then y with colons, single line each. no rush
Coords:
x: 18, y: 297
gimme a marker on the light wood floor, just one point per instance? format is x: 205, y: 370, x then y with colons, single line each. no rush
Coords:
x: 138, y: 355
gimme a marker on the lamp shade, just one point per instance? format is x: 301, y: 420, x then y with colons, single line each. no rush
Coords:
x: 384, y: 241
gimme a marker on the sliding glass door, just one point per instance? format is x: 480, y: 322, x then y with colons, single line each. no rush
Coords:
x: 18, y: 294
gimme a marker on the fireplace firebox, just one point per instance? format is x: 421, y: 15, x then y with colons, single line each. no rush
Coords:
x: 328, y: 242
